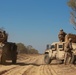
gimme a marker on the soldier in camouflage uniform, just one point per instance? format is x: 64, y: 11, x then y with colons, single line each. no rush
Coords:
x: 61, y: 35
x: 68, y: 52
x: 3, y: 36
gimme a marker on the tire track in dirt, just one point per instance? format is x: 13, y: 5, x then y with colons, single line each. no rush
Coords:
x: 9, y: 70
x: 47, y: 69
x: 64, y: 69
x: 32, y: 60
x: 19, y: 70
x: 4, y: 69
x: 40, y: 60
x: 39, y: 70
x: 51, y: 69
x: 34, y: 65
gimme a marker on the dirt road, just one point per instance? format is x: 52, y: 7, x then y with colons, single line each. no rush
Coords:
x: 34, y: 65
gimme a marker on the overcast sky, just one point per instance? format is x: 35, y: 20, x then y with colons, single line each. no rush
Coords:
x: 35, y: 22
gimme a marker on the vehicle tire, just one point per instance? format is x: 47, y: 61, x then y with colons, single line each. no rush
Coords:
x: 14, y: 61
x: 14, y: 53
x: 47, y: 59
x: 62, y: 61
x: 4, y: 54
x: 3, y: 60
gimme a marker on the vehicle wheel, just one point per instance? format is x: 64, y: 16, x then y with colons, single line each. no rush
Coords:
x: 3, y: 60
x: 4, y: 54
x: 47, y: 59
x: 62, y: 61
x: 14, y: 53
x: 14, y: 61
x: 14, y: 58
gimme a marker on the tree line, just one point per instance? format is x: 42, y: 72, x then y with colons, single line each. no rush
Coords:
x: 72, y: 5
x: 21, y: 48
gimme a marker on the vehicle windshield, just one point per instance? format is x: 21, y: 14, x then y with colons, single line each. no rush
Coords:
x: 60, y: 46
x: 52, y: 46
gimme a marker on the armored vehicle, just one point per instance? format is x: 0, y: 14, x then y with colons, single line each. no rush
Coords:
x: 8, y: 50
x: 56, y: 50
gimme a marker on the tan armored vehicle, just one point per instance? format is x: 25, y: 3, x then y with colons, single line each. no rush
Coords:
x: 56, y: 51
x: 8, y: 50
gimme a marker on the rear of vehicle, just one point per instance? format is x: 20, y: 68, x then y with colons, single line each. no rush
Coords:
x: 9, y: 52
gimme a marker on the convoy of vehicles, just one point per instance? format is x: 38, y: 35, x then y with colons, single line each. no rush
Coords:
x: 8, y: 50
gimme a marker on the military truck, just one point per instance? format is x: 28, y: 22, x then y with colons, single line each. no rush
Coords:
x: 8, y: 50
x: 56, y: 51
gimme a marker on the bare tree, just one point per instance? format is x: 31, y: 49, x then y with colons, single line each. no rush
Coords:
x: 72, y: 4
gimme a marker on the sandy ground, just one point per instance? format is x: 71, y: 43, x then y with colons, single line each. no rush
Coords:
x: 34, y: 65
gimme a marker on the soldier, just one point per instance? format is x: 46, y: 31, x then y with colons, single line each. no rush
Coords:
x: 68, y: 52
x: 5, y: 36
x: 61, y: 35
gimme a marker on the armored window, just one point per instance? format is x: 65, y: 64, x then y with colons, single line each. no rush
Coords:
x: 60, y: 46
x: 52, y: 46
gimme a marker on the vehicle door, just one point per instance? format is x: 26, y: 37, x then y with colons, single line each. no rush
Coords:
x: 53, y: 51
x: 60, y: 51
